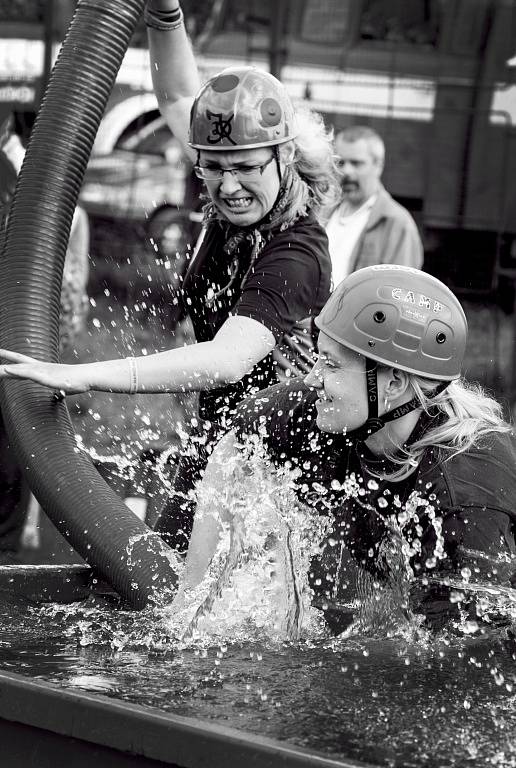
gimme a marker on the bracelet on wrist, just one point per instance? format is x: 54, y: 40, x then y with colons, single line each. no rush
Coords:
x: 133, y: 375
x: 164, y: 21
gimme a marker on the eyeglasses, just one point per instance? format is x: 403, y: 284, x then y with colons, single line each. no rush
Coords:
x: 242, y: 173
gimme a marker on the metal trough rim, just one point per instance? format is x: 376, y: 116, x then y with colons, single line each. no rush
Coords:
x: 135, y: 731
x: 139, y: 731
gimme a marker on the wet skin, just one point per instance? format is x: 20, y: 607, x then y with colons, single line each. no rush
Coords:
x: 340, y: 381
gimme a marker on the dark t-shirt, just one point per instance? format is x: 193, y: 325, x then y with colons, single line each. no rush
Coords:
x: 289, y: 281
x: 471, y: 494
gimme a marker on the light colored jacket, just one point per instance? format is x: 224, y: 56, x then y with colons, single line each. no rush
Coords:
x: 389, y: 237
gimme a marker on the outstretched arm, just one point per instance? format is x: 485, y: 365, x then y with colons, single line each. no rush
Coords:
x: 174, y: 73
x: 238, y: 346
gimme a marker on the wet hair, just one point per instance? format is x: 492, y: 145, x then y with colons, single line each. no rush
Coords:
x: 364, y: 132
x: 465, y: 415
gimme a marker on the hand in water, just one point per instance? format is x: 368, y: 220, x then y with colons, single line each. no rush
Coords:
x: 69, y: 379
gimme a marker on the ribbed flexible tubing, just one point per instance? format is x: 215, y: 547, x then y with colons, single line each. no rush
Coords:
x: 93, y: 519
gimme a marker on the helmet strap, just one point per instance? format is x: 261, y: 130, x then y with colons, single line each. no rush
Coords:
x: 405, y: 408
x: 374, y: 422
x: 276, y: 153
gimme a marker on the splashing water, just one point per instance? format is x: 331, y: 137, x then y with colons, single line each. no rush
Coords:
x: 257, y: 586
x: 223, y: 655
x: 257, y: 583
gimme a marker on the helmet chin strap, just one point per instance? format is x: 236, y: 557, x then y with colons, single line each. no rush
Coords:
x: 276, y: 154
x: 281, y: 176
x: 374, y: 422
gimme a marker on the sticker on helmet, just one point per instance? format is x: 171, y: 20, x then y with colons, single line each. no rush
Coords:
x: 414, y: 314
x: 221, y: 127
x: 270, y: 112
x: 225, y: 83
x: 418, y: 299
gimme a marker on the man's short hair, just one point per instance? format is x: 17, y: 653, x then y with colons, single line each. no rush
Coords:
x: 357, y: 132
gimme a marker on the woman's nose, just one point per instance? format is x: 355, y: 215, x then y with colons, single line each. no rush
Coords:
x: 314, y: 379
x: 229, y: 183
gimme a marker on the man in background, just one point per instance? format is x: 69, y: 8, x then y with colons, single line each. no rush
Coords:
x: 367, y: 227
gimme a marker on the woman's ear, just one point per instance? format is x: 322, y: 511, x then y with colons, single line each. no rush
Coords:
x: 397, y: 383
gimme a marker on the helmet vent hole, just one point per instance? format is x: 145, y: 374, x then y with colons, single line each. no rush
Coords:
x: 379, y: 317
x: 440, y: 337
x: 371, y: 343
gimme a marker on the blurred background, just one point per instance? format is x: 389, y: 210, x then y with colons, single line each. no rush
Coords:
x: 436, y: 78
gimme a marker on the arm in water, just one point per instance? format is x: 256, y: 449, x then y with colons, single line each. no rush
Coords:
x: 174, y: 73
x: 238, y: 346
x: 210, y: 516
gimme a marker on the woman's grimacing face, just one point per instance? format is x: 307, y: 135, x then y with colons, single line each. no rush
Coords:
x: 242, y: 202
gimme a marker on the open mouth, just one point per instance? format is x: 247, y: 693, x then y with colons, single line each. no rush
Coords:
x: 238, y: 204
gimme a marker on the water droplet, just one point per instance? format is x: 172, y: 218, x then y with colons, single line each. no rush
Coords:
x: 470, y: 627
x: 465, y: 573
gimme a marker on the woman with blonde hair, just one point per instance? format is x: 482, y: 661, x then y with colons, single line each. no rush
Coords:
x: 392, y: 444
x: 261, y: 264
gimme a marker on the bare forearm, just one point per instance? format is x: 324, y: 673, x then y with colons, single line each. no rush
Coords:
x: 187, y: 369
x: 237, y: 347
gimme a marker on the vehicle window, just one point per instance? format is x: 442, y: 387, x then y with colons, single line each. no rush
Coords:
x: 247, y: 16
x: 413, y: 22
x: 32, y: 11
x: 327, y: 21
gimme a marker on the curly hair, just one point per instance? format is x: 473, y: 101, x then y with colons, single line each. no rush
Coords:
x: 313, y: 159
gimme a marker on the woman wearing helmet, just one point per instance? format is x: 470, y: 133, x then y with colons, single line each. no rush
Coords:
x: 391, y: 443
x: 262, y: 262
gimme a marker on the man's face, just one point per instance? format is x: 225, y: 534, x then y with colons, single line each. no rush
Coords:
x: 243, y: 200
x: 339, y: 377
x: 360, y: 170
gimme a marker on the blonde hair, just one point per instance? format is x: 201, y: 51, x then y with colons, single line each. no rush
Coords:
x: 467, y: 414
x: 313, y: 162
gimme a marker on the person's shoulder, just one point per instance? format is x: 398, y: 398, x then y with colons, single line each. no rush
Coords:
x: 311, y: 228
x: 392, y: 208
x: 304, y: 236
x: 482, y: 476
